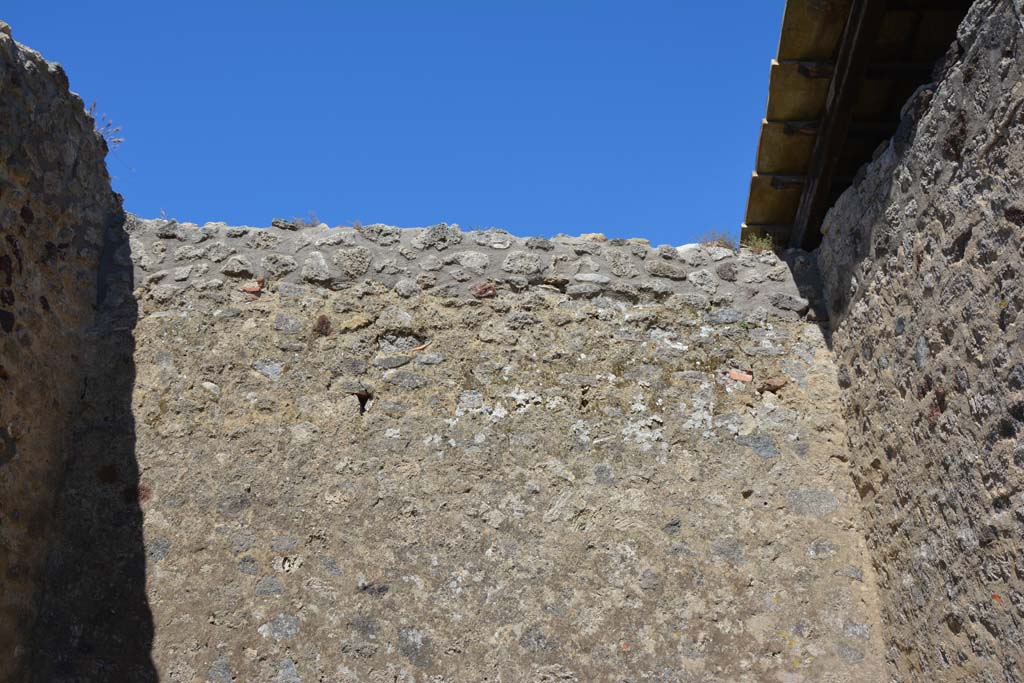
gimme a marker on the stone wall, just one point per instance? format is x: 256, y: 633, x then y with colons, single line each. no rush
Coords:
x: 373, y: 454
x: 924, y: 266
x: 56, y: 207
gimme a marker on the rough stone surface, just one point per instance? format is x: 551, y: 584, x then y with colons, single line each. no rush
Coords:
x: 491, y: 478
x: 300, y: 453
x: 924, y: 264
x: 59, y: 230
x: 448, y: 263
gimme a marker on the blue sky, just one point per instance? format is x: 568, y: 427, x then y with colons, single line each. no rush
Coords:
x: 537, y: 116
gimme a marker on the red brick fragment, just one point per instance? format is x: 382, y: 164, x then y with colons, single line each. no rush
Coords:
x: 255, y: 287
x: 483, y: 290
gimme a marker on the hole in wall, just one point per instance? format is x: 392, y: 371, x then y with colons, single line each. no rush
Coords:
x: 365, y: 400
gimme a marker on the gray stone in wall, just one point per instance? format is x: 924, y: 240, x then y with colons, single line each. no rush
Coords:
x: 439, y: 237
x: 666, y: 269
x: 237, y: 266
x: 315, y: 269
x: 353, y: 262
x: 278, y: 265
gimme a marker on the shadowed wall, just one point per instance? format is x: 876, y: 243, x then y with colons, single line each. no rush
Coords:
x: 72, y: 602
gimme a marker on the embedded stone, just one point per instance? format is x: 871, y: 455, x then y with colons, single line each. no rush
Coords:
x: 383, y: 235
x: 703, y: 280
x: 665, y: 269
x: 539, y: 243
x: 218, y: 251
x: 438, y: 237
x: 474, y: 261
x: 281, y: 627
x: 282, y: 224
x: 237, y: 266
x: 727, y: 271
x: 269, y: 585
x: 406, y: 288
x: 431, y: 262
x: 185, y: 252
x: 315, y: 269
x: 789, y: 302
x: 521, y: 263
x: 269, y: 369
x: 353, y: 262
x: 621, y: 264
x: 405, y: 379
x: 288, y: 324
x: 278, y: 265
x: 719, y: 253
x: 762, y: 444
x: 171, y: 231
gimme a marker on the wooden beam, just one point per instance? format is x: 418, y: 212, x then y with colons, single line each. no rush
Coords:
x: 880, y: 71
x: 793, y: 96
x: 851, y: 65
x: 787, y: 182
x: 815, y: 69
x: 811, y: 28
x: 773, y: 199
x: 856, y: 127
x: 960, y: 6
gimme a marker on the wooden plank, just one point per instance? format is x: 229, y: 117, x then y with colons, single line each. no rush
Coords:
x: 792, y: 96
x: 773, y: 199
x: 785, y: 148
x: 827, y: 50
x: 811, y: 29
x: 865, y: 19
x: 902, y: 70
x: 784, y: 153
x: 797, y: 89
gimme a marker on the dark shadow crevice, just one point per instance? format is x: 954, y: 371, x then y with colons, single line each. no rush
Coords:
x: 94, y: 623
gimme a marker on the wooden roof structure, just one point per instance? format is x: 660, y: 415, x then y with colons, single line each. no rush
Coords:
x: 844, y: 70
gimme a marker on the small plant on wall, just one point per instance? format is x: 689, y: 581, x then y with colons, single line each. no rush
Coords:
x: 311, y: 221
x: 105, y: 127
x: 717, y: 239
x: 758, y: 243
